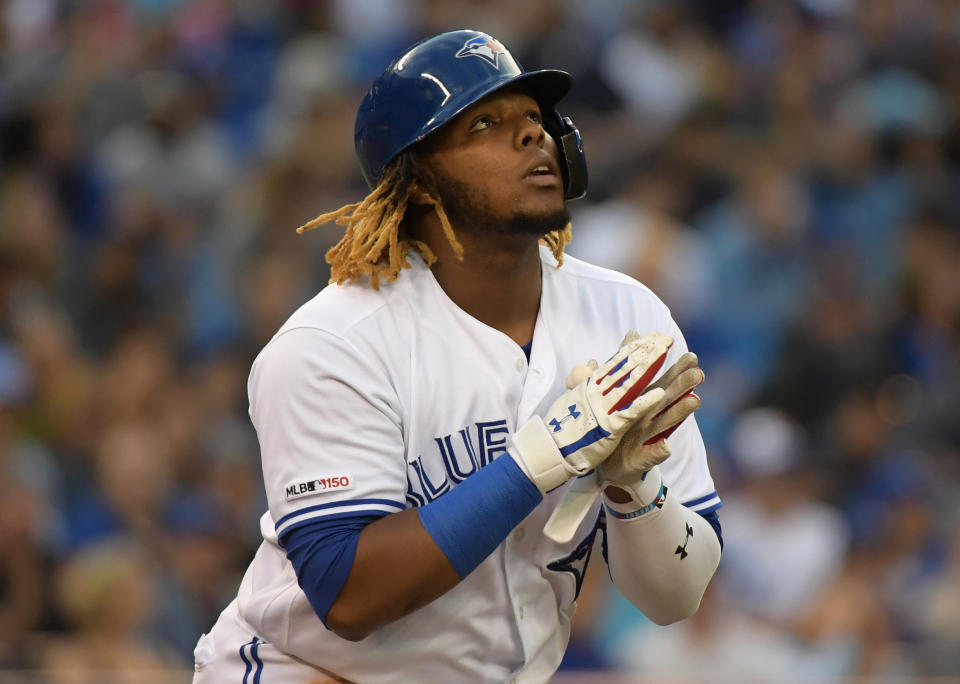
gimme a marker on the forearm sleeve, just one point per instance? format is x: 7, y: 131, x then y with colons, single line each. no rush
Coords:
x: 469, y: 522
x: 661, y: 558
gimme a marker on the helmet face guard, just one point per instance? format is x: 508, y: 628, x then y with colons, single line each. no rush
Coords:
x: 436, y: 79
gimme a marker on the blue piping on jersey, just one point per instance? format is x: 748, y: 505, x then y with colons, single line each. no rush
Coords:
x: 337, y: 504
x: 246, y: 673
x: 256, y: 659
x: 709, y: 509
x: 702, y: 499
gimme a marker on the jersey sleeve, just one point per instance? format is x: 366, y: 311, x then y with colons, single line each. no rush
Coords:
x: 329, y: 427
x: 686, y: 472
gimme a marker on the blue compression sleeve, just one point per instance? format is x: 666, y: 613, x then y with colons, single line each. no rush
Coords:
x: 322, y: 553
x: 469, y: 522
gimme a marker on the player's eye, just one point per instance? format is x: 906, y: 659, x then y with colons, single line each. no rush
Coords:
x: 536, y: 118
x: 481, y: 122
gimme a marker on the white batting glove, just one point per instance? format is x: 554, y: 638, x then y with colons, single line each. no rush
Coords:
x: 587, y: 422
x: 643, y: 446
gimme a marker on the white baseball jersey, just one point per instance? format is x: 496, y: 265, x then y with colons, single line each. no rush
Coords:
x: 381, y: 400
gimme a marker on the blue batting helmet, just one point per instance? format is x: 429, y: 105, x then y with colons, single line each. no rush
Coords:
x: 436, y: 79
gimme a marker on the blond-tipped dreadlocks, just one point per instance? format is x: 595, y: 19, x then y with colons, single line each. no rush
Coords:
x: 372, y: 245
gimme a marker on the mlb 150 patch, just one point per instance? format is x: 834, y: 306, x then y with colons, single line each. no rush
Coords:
x: 318, y: 485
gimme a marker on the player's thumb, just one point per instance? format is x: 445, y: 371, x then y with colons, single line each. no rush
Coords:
x: 655, y: 453
x: 580, y: 373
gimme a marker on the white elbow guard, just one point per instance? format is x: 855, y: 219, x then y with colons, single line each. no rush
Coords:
x: 662, y: 554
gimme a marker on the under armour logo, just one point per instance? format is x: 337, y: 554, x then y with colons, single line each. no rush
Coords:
x: 573, y: 415
x: 682, y: 550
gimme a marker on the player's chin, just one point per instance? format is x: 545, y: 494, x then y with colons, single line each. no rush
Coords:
x: 542, y: 201
x: 540, y: 220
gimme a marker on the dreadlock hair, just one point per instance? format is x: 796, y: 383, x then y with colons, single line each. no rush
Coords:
x: 373, y: 245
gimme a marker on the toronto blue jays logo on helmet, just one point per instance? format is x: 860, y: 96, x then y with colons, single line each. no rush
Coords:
x: 484, y: 47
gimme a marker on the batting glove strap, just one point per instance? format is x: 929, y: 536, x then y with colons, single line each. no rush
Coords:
x: 538, y: 455
x: 647, y: 493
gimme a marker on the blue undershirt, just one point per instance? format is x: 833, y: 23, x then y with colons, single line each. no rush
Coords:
x: 322, y: 554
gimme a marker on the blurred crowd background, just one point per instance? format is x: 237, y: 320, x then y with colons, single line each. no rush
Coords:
x: 785, y: 175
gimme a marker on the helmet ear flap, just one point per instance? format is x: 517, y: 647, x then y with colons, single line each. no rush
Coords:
x: 574, y: 161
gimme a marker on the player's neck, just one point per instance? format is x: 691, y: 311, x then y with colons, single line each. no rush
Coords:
x: 498, y: 282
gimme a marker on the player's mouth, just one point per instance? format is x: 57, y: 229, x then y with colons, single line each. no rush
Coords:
x: 543, y: 173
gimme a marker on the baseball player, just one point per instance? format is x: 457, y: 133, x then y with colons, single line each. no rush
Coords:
x: 435, y: 428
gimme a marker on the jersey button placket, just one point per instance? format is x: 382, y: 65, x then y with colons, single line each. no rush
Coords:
x: 520, y: 365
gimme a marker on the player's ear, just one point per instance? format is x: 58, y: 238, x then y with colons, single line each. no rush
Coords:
x: 419, y: 194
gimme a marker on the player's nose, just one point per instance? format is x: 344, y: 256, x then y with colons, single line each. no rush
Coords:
x: 529, y: 132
